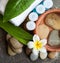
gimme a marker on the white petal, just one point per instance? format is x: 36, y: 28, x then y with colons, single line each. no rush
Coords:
x: 43, y: 50
x: 35, y: 38
x: 44, y: 42
x: 33, y: 57
x: 30, y: 44
x: 35, y: 51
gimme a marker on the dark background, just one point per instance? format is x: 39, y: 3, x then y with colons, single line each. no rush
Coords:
x: 21, y: 58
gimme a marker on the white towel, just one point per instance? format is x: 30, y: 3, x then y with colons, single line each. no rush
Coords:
x: 3, y: 5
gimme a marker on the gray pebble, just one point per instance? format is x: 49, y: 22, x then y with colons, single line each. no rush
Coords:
x: 54, y: 39
x: 33, y: 57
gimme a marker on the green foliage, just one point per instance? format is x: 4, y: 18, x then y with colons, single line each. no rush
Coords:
x: 16, y: 32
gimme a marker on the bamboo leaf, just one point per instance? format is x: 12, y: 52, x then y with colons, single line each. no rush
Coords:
x: 15, y: 7
x: 16, y: 32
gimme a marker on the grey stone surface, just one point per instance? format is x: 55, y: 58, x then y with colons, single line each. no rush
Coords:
x: 21, y: 58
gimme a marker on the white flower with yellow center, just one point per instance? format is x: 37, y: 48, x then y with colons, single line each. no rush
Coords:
x: 37, y: 45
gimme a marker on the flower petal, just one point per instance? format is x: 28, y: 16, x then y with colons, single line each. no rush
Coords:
x: 30, y: 44
x: 44, y: 42
x: 35, y: 51
x: 35, y: 38
x: 43, y: 50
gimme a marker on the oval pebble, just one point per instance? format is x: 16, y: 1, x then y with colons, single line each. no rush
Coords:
x: 53, y: 20
x: 15, y: 43
x: 54, y: 39
x: 53, y: 55
x: 33, y: 57
x: 17, y: 50
x: 10, y: 52
x: 43, y: 55
x: 43, y: 31
x: 8, y: 36
x: 28, y: 51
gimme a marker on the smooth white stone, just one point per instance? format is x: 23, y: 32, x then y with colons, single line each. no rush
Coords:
x: 48, y: 4
x: 30, y: 25
x: 33, y: 16
x: 33, y: 57
x: 40, y: 9
x: 43, y: 55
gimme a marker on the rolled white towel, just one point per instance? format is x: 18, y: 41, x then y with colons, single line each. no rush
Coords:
x: 48, y: 4
x: 40, y: 9
x: 33, y: 16
x: 30, y: 25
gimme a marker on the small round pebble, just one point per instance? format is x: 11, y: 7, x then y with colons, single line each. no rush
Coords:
x: 54, y: 39
x: 15, y: 43
x: 28, y: 51
x: 33, y: 57
x: 8, y: 36
x: 43, y: 55
x: 53, y: 20
x: 43, y: 31
x: 53, y: 55
x: 10, y: 52
x: 17, y: 50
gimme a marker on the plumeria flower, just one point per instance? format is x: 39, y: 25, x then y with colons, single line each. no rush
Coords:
x: 37, y: 45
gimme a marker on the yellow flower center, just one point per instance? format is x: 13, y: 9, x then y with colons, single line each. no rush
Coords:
x: 37, y: 45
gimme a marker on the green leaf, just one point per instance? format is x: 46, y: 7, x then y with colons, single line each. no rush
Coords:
x: 16, y: 32
x: 15, y: 7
